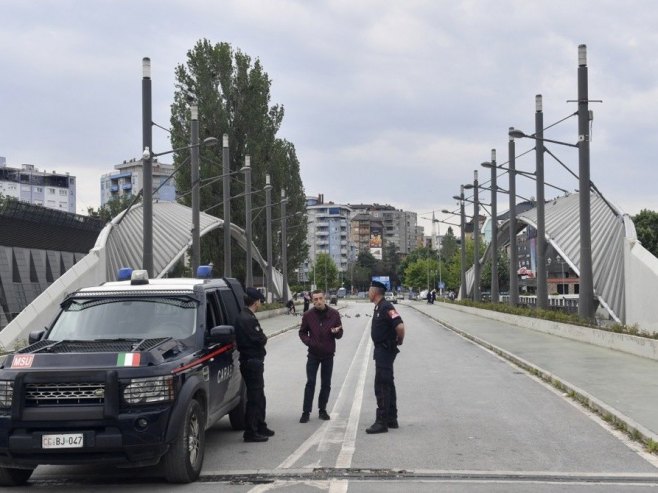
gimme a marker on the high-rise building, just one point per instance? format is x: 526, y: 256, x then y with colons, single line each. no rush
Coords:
x: 328, y: 231
x: 398, y: 226
x: 48, y: 189
x: 128, y: 180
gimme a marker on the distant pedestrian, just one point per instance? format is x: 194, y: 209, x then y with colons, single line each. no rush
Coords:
x: 307, y: 301
x: 291, y: 307
x: 320, y: 328
x: 387, y: 333
x: 251, y: 341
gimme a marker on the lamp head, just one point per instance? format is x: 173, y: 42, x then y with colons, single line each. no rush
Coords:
x: 516, y: 134
x: 487, y: 164
x: 210, y: 141
x: 468, y: 186
x: 456, y: 197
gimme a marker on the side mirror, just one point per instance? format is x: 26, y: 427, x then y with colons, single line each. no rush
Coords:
x: 222, y: 334
x: 35, y: 336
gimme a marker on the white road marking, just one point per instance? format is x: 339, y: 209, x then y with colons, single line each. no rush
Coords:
x: 337, y: 430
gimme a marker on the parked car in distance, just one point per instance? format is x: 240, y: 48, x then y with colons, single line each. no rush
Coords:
x: 390, y: 296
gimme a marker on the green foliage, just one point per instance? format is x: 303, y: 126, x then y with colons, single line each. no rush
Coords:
x: 232, y: 92
x: 422, y: 274
x: 646, y: 227
x: 391, y: 263
x: 112, y: 208
x: 325, y: 272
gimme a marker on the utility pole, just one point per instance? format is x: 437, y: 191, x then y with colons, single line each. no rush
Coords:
x: 284, y: 246
x: 514, y: 255
x: 476, y: 238
x: 542, y: 286
x: 194, y: 164
x: 268, y: 221
x: 494, y: 229
x: 147, y: 168
x: 226, y: 167
x: 249, y: 277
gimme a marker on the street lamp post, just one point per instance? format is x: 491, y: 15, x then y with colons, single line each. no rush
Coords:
x: 476, y: 239
x: 194, y: 176
x: 284, y: 246
x: 494, y: 229
x: 542, y: 287
x: 514, y: 252
x: 586, y: 306
x: 249, y: 278
x: 268, y: 220
x: 147, y: 168
x: 226, y: 186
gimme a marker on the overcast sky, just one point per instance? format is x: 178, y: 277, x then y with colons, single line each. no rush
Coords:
x: 385, y: 101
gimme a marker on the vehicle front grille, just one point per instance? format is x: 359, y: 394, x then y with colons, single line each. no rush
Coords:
x: 52, y: 394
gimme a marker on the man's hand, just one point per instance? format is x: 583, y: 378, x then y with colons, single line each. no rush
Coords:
x: 335, y: 330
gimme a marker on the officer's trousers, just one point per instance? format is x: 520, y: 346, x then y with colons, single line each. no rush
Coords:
x: 387, y: 409
x: 252, y: 373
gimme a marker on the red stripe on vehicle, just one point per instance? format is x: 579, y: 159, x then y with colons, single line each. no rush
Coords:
x: 208, y: 356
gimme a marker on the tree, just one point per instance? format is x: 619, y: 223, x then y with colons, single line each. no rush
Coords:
x: 449, y: 245
x: 232, y: 93
x: 391, y: 263
x: 325, y: 272
x: 422, y: 274
x: 112, y: 208
x: 415, y: 255
x: 646, y: 227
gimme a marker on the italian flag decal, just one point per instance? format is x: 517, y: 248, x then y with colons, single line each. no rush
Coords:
x: 128, y: 359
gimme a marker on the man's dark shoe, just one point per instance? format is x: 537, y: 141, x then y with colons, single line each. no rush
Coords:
x: 304, y: 418
x: 266, y: 432
x: 323, y: 415
x: 393, y: 423
x: 255, y: 437
x: 377, y: 428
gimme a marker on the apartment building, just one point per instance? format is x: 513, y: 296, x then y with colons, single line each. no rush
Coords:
x: 49, y: 189
x: 128, y: 180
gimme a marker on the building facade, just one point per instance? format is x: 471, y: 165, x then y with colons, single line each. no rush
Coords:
x: 329, y: 231
x: 48, y: 189
x: 128, y: 180
x: 398, y: 227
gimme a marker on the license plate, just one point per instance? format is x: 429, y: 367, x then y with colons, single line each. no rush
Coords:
x: 62, y: 440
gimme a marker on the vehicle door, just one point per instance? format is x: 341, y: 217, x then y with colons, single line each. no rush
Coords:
x: 220, y: 366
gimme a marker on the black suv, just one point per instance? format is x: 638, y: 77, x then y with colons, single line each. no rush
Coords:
x: 130, y: 373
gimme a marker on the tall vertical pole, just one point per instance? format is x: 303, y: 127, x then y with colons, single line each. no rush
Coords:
x: 147, y: 168
x: 463, y: 293
x: 513, y: 250
x: 249, y: 276
x: 194, y: 163
x: 586, y: 307
x: 268, y: 226
x: 476, y: 238
x: 226, y: 167
x: 284, y: 247
x: 542, y: 286
x: 494, y: 229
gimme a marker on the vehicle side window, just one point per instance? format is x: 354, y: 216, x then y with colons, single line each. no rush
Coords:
x: 230, y: 305
x: 213, y: 311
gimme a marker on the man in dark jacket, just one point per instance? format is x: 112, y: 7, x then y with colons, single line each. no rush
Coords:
x: 320, y: 328
x: 251, y: 342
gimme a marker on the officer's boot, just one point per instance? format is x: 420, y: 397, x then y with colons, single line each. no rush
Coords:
x: 379, y: 426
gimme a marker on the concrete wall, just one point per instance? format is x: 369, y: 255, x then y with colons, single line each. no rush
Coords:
x: 639, y: 346
x: 641, y: 282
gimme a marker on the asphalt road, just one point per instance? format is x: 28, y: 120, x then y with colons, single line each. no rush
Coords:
x: 469, y: 421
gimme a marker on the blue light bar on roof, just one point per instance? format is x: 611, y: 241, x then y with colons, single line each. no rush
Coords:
x: 204, y: 272
x: 124, y: 274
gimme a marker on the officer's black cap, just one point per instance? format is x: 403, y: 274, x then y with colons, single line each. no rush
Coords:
x: 254, y: 294
x: 377, y: 284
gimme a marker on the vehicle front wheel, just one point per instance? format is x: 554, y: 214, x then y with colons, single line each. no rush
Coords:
x: 184, y: 459
x: 11, y: 476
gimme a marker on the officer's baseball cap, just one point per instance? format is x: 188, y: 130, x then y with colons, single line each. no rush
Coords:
x: 377, y: 284
x: 254, y: 294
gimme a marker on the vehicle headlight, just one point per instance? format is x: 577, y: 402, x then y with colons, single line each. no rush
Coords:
x: 6, y: 394
x: 148, y: 390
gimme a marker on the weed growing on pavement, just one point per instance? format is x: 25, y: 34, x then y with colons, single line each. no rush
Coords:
x: 652, y: 446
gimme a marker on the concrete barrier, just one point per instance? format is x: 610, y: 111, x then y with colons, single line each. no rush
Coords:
x: 639, y: 346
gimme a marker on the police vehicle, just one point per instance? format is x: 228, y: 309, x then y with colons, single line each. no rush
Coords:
x: 130, y: 373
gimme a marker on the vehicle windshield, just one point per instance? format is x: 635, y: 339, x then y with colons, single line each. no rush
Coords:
x: 121, y: 318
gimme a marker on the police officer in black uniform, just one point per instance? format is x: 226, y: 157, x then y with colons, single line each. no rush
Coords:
x: 251, y: 342
x: 387, y: 333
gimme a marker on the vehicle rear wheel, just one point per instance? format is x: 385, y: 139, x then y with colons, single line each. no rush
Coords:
x: 11, y: 476
x: 184, y: 459
x: 237, y: 415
